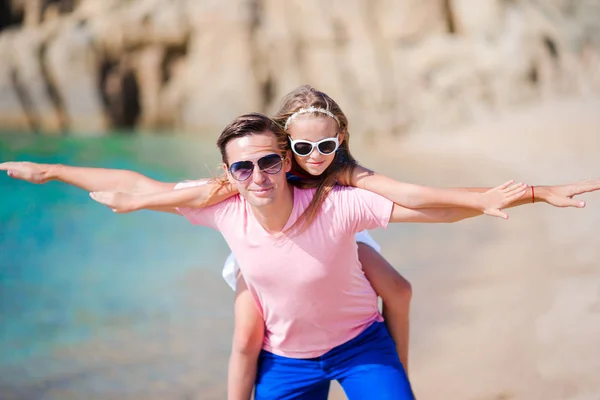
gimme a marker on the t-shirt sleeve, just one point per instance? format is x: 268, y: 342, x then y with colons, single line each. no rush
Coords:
x: 362, y: 209
x: 205, y: 216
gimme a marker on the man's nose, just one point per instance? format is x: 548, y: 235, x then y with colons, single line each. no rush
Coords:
x: 258, y: 176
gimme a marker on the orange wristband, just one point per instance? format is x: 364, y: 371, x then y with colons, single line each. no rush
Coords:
x: 532, y: 195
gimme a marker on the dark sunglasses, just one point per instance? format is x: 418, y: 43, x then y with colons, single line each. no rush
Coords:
x: 304, y: 148
x: 269, y: 164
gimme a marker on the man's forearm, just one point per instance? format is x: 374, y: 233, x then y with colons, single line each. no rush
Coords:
x: 102, y: 179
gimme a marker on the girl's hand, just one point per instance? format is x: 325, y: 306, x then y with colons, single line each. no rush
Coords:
x: 494, y: 200
x: 27, y: 171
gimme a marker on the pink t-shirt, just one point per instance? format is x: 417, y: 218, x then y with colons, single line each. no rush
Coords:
x: 310, y: 287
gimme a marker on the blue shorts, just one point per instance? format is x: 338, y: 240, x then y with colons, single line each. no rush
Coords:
x: 367, y: 367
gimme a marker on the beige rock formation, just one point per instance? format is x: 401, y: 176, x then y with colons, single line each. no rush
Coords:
x: 12, y: 112
x: 394, y: 65
x: 73, y: 69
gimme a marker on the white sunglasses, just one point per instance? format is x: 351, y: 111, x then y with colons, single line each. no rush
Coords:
x: 304, y: 148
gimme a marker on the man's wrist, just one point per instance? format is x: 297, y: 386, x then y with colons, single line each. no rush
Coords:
x: 540, y: 193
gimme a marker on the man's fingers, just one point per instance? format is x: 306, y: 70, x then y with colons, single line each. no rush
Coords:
x: 5, y: 166
x: 566, y: 202
x: 15, y: 174
x: 590, y: 187
x: 584, y: 188
x: 575, y: 203
x: 497, y: 213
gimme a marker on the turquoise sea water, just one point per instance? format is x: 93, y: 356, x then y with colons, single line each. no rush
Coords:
x: 70, y: 269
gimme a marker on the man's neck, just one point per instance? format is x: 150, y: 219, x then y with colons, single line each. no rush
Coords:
x: 275, y: 217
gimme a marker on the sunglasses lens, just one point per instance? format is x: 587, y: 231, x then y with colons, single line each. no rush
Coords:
x: 270, y: 164
x: 303, y: 149
x: 328, y: 146
x: 241, y: 170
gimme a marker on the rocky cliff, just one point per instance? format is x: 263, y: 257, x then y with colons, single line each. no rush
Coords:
x: 85, y: 66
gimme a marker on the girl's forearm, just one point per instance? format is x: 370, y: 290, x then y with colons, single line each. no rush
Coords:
x: 103, y: 179
x: 416, y: 196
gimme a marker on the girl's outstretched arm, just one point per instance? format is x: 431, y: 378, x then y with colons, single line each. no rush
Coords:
x: 416, y: 196
x: 89, y: 179
x: 208, y: 193
x: 487, y: 201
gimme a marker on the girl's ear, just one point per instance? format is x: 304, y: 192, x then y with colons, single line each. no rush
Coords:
x: 341, y: 137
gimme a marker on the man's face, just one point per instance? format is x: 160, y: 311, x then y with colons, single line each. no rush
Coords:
x: 262, y: 187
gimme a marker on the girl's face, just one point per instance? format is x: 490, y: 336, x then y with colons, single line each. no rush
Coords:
x: 314, y: 129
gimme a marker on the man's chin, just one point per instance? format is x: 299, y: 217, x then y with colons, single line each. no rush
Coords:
x: 260, y: 199
x: 261, y: 194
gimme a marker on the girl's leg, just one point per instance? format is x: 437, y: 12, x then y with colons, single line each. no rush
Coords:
x: 247, y: 343
x: 396, y: 293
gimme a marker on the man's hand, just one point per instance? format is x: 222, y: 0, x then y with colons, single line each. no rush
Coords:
x: 119, y: 202
x: 494, y: 200
x: 562, y: 196
x: 27, y: 171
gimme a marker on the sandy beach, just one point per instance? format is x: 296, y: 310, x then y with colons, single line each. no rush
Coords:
x: 501, y: 309
x: 506, y: 309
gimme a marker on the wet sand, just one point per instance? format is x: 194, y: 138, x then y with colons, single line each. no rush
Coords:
x: 501, y: 309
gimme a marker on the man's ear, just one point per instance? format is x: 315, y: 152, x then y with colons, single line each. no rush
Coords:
x: 287, y: 163
x: 229, y: 177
